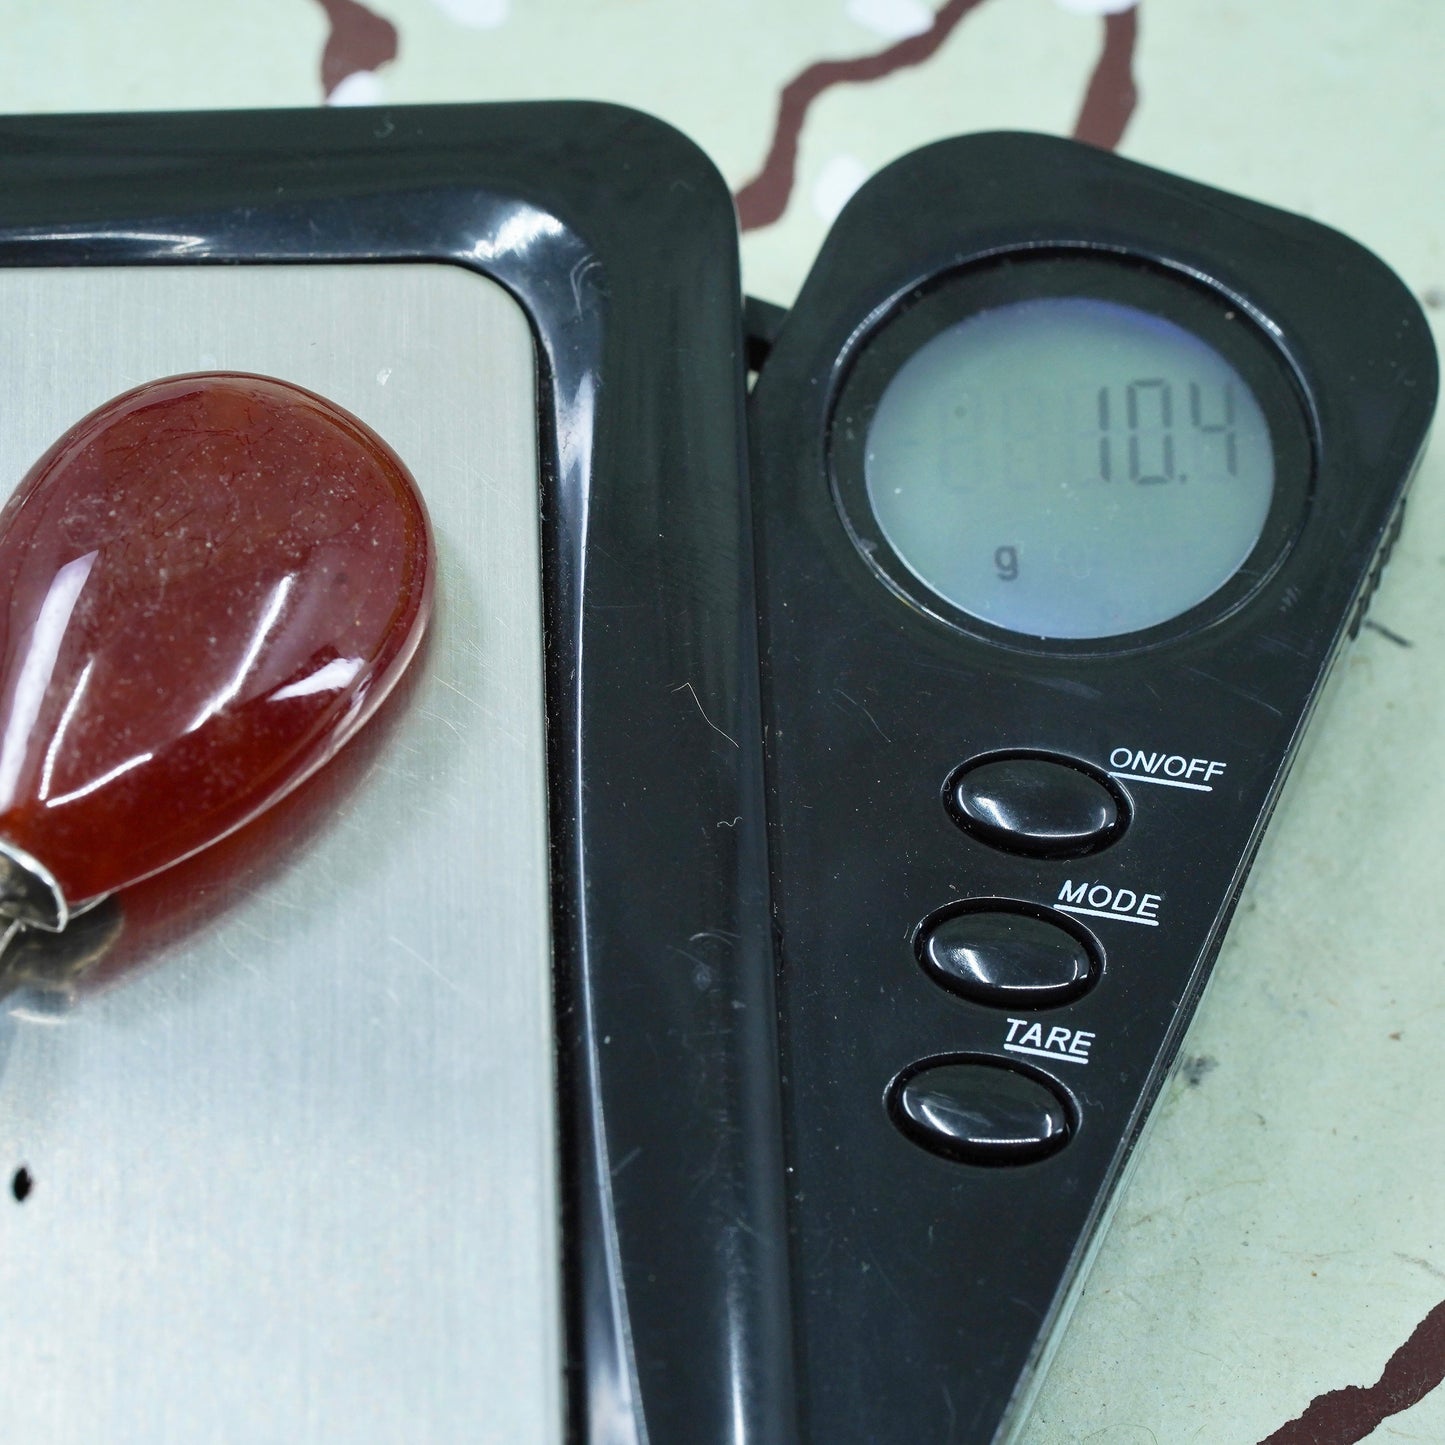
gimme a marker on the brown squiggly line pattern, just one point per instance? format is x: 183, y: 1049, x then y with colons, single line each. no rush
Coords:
x: 359, y: 40
x: 1112, y: 94
x: 1108, y: 103
x: 1342, y: 1417
x: 764, y: 198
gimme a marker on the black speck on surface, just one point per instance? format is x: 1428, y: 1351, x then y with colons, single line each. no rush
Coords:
x: 1194, y: 1067
x: 21, y: 1185
x: 1388, y: 633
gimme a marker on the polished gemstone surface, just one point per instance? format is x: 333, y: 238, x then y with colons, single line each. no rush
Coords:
x: 1047, y: 807
x: 1006, y: 958
x: 981, y: 1113
x: 206, y: 586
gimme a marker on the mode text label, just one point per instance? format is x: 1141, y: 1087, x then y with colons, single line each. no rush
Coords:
x: 1103, y: 900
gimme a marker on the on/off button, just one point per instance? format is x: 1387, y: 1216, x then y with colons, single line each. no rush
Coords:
x: 1037, y: 803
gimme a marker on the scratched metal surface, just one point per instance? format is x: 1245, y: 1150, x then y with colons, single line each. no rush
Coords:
x: 1281, y: 1239
x: 291, y: 1161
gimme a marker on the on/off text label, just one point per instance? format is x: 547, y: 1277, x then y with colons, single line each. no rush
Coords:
x: 1172, y: 770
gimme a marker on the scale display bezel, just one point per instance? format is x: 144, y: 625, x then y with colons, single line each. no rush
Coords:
x: 1227, y: 325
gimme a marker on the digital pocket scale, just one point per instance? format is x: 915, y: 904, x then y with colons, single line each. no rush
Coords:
x: 650, y: 1035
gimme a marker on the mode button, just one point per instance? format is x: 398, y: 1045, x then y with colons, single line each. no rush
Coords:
x: 1007, y: 955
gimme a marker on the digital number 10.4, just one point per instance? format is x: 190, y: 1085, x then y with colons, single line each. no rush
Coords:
x: 1143, y: 448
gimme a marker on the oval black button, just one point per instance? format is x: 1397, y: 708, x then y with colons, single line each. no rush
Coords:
x: 1040, y: 806
x: 981, y: 1113
x: 1008, y: 959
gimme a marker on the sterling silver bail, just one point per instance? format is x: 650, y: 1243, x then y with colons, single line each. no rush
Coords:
x: 29, y: 894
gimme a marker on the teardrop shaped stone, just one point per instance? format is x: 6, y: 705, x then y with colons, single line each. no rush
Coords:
x: 206, y: 586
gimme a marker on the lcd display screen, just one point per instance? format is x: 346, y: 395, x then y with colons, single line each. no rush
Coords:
x: 1068, y: 467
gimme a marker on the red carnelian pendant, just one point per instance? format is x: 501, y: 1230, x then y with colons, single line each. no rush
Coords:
x: 206, y: 587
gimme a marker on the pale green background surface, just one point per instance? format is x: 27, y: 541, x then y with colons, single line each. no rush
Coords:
x: 1282, y: 1233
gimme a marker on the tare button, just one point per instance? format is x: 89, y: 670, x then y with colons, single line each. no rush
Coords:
x: 1105, y: 900
x: 980, y: 1112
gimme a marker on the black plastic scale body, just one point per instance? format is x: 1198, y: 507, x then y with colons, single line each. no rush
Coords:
x: 626, y: 1068
x: 952, y: 1136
